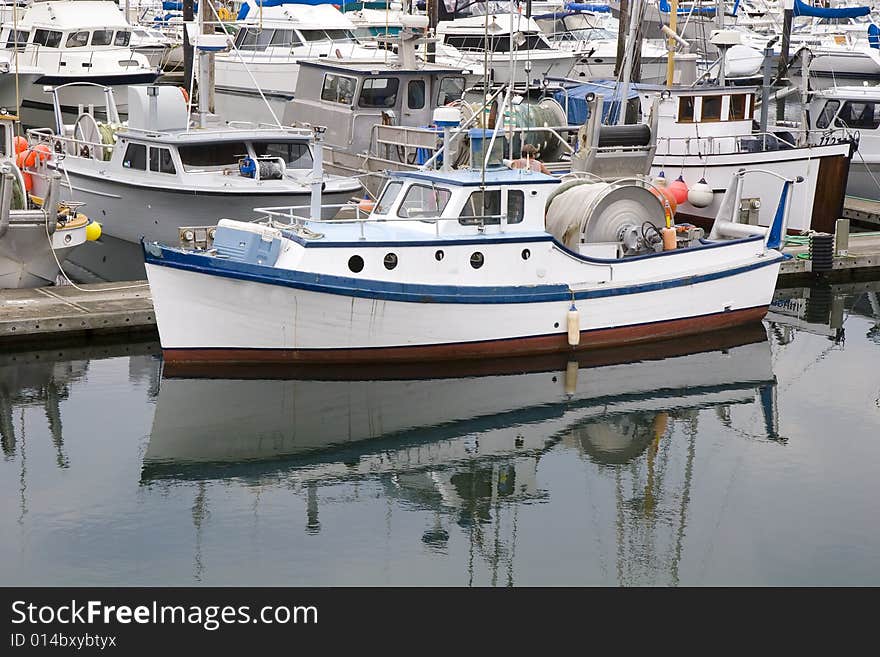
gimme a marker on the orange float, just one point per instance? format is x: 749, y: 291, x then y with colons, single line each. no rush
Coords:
x: 28, y: 181
x: 43, y: 152
x: 21, y: 144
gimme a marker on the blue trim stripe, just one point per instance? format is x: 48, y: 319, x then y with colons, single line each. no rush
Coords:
x: 411, y: 292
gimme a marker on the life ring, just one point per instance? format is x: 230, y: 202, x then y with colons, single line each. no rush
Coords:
x: 224, y: 14
x: 185, y: 94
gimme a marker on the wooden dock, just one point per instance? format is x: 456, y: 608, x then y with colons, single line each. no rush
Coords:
x: 36, y: 314
x: 863, y: 254
x: 862, y: 212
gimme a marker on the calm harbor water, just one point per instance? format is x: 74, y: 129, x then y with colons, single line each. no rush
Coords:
x: 747, y: 457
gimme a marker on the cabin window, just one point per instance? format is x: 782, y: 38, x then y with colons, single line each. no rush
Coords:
x: 486, y: 208
x: 285, y: 38
x: 295, y: 155
x: 48, y: 38
x: 465, y: 42
x: 135, y: 157
x: 827, y: 114
x: 161, y: 161
x: 379, y: 92
x: 415, y: 94
x: 17, y: 39
x: 253, y: 39
x: 686, y: 109
x: 738, y: 107
x: 340, y: 35
x: 102, y: 37
x: 423, y: 201
x: 858, y: 115
x: 123, y: 38
x: 338, y: 89
x: 450, y: 89
x: 219, y: 154
x: 327, y: 35
x: 389, y: 195
x: 711, y: 110
x: 77, y: 39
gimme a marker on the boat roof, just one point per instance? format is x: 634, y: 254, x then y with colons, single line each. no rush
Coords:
x: 97, y: 14
x: 695, y: 91
x: 378, y: 66
x: 476, y: 177
x: 498, y: 24
x: 218, y: 134
x: 303, y: 17
x: 852, y: 91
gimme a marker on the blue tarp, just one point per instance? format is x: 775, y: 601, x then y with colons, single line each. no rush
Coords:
x: 665, y: 7
x: 874, y: 36
x: 577, y: 110
x: 588, y: 6
x: 803, y: 9
x: 245, y: 7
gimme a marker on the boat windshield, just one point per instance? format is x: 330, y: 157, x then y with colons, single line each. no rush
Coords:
x: 207, y: 156
x: 297, y: 155
x: 388, y: 196
x: 423, y: 202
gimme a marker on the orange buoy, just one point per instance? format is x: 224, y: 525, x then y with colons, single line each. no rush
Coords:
x: 679, y: 189
x: 19, y: 159
x: 185, y: 94
x: 30, y: 158
x: 42, y: 152
x: 20, y: 144
x: 28, y: 180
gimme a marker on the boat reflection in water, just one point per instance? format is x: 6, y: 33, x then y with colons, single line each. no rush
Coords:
x: 455, y: 440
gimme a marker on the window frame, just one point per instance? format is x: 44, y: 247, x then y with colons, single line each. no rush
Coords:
x: 395, y: 84
x: 324, y: 88
x: 126, y: 157
x: 71, y: 35
x: 433, y: 188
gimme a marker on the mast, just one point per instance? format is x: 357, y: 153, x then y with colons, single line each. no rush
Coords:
x: 784, y: 54
x: 670, y: 45
x: 188, y: 15
x: 626, y: 75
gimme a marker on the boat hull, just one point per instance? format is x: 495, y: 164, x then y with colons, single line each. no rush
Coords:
x: 235, y: 316
x: 26, y: 258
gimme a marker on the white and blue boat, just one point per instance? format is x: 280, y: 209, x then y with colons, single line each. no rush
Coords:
x: 459, y: 264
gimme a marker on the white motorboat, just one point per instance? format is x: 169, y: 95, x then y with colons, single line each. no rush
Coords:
x: 459, y: 264
x: 88, y: 41
x: 142, y: 177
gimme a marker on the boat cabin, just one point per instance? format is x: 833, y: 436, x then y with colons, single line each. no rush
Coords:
x: 467, y: 201
x: 352, y: 98
x: 706, y: 120
x: 469, y: 34
x: 855, y: 108
x: 68, y: 26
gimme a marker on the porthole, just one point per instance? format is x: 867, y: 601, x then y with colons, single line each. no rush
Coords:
x: 526, y: 254
x: 356, y: 264
x: 390, y: 261
x: 438, y: 255
x: 477, y: 260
